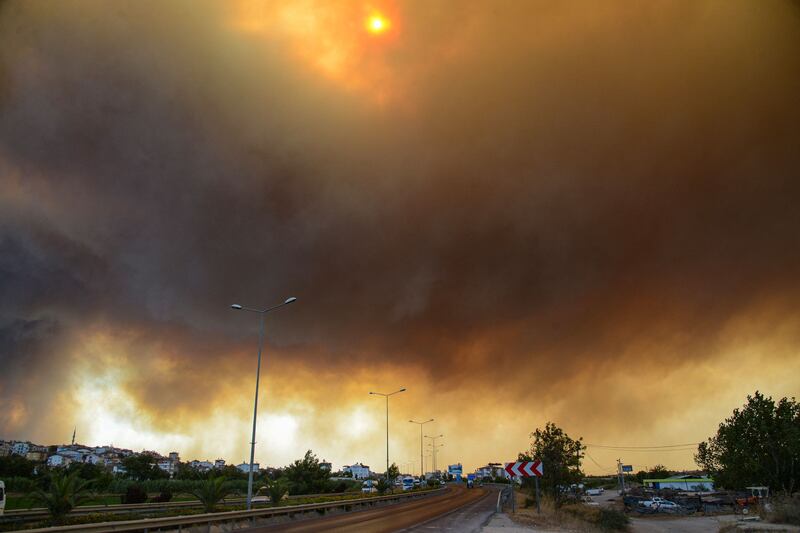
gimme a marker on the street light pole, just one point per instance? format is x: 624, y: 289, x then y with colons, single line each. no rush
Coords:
x: 421, y: 466
x: 263, y: 313
x: 434, y: 448
x: 387, y: 424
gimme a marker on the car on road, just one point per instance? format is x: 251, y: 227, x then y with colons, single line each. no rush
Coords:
x: 594, y: 492
x: 368, y: 486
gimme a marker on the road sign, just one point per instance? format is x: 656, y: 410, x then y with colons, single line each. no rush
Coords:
x: 627, y: 468
x: 525, y: 469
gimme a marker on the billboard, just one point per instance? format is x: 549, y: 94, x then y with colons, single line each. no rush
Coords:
x: 455, y: 471
x: 627, y: 468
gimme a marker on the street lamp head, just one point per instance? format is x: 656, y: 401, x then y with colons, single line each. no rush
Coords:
x: 289, y: 300
x: 236, y: 306
x: 402, y: 390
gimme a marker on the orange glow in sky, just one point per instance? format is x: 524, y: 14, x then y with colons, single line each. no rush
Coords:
x: 377, y: 24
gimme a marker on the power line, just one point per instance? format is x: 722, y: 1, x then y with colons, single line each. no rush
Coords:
x: 628, y: 448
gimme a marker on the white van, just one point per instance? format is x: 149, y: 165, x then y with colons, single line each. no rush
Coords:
x: 2, y: 498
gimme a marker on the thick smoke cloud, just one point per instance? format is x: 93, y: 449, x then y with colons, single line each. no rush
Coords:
x: 601, y: 200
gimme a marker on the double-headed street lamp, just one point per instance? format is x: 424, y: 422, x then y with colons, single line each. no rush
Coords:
x: 262, y: 312
x: 387, y: 423
x: 433, y: 439
x: 421, y: 466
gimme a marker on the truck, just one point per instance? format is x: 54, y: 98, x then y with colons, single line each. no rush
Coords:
x: 368, y: 486
x: 408, y: 483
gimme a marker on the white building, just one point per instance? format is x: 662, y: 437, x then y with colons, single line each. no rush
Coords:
x: 358, y: 470
x: 58, y: 460
x: 219, y: 463
x: 93, y: 459
x: 119, y: 468
x: 245, y: 467
x: 21, y: 448
x: 201, y: 465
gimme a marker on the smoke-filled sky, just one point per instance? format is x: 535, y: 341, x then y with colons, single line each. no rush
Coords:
x: 583, y: 212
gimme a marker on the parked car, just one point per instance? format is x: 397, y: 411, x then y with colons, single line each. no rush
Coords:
x: 655, y: 500
x: 594, y: 492
x: 408, y: 483
x: 368, y: 486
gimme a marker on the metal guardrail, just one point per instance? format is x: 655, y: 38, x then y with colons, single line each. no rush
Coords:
x: 246, y: 518
x: 37, y: 512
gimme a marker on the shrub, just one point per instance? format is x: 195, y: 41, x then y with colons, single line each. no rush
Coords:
x: 382, y: 485
x: 785, y: 510
x: 164, y: 497
x: 612, y: 520
x: 134, y: 494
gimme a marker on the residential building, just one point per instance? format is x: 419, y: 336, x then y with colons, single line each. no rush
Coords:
x: 93, y: 459
x: 20, y: 448
x: 36, y: 453
x: 5, y: 448
x: 358, y: 470
x: 58, y: 460
x: 201, y: 465
x: 325, y: 465
x: 245, y: 467
x: 219, y: 463
x: 490, y: 470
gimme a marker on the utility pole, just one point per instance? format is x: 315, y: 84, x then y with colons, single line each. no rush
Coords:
x: 621, y: 478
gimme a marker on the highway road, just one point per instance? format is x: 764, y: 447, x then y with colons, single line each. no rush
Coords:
x: 416, y: 515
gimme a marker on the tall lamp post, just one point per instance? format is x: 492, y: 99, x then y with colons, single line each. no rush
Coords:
x: 263, y: 313
x: 433, y: 439
x: 421, y: 466
x: 387, y: 424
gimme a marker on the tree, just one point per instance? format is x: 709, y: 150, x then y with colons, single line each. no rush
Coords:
x: 757, y: 445
x: 211, y: 491
x: 306, y: 476
x: 394, y: 472
x: 66, y: 492
x: 382, y: 485
x: 16, y: 466
x: 277, y: 489
x: 561, y: 456
x: 659, y: 472
x: 142, y: 466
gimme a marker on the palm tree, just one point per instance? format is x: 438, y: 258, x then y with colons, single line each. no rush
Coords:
x: 66, y: 492
x: 211, y: 492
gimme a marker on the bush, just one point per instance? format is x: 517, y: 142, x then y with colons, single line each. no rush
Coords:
x: 785, y: 510
x: 606, y: 519
x: 134, y: 494
x: 612, y: 520
x: 20, y: 484
x: 164, y: 497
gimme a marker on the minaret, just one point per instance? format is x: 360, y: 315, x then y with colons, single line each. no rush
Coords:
x: 73, y: 435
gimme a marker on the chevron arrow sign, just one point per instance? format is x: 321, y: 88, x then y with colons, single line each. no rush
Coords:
x: 525, y: 468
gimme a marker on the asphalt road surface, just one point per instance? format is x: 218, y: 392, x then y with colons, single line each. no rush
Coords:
x: 467, y: 519
x: 409, y: 516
